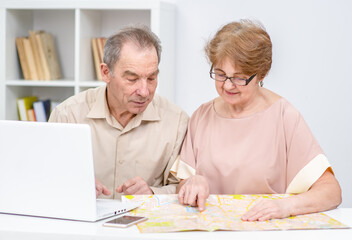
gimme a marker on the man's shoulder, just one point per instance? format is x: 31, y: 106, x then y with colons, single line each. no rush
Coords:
x: 166, y: 106
x: 86, y: 97
x: 172, y: 119
x: 76, y: 108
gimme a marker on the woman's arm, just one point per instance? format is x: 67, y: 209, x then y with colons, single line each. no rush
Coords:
x: 324, y: 194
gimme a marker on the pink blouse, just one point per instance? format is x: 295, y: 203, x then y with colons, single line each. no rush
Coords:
x: 259, y: 154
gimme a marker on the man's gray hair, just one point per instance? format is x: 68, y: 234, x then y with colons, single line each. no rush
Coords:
x: 142, y: 36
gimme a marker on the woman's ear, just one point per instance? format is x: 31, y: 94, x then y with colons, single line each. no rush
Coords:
x: 260, y: 80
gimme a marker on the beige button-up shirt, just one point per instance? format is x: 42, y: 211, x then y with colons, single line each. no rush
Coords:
x: 146, y: 147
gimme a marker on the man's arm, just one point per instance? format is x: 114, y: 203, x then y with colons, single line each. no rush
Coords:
x: 138, y: 185
x: 170, y: 180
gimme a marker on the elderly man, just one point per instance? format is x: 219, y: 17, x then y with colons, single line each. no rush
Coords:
x: 136, y: 134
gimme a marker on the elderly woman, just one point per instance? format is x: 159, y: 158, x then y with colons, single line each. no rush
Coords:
x: 250, y: 140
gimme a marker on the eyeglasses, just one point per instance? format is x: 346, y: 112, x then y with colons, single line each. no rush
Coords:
x: 220, y: 77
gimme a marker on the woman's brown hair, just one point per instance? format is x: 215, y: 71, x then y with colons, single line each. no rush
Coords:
x: 246, y: 43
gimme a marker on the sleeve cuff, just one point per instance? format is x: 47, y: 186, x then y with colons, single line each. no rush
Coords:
x: 168, y: 189
x: 308, y: 175
x: 182, y: 170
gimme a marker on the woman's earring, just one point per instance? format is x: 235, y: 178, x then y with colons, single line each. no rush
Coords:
x: 261, y: 83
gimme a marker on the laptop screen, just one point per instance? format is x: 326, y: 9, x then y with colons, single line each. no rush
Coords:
x: 46, y: 169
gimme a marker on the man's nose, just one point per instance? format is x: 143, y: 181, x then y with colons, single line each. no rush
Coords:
x: 143, y: 88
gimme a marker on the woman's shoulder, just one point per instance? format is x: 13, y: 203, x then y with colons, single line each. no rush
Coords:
x: 202, y: 112
x: 275, y: 100
x: 270, y: 96
x: 203, y: 109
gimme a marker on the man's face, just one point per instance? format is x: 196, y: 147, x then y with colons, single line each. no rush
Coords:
x: 133, y: 84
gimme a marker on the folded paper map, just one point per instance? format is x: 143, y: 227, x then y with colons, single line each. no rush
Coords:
x: 223, y: 212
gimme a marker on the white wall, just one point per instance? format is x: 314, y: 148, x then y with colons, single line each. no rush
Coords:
x: 312, y: 62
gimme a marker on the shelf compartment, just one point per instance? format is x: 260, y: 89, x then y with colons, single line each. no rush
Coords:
x: 60, y: 23
x: 102, y: 23
x: 42, y: 92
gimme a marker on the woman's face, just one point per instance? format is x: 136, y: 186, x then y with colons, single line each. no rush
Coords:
x: 231, y: 93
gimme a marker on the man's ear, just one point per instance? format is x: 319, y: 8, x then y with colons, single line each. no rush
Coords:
x: 105, y: 72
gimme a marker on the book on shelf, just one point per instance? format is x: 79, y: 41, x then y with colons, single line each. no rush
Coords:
x: 98, y: 50
x: 96, y: 58
x: 30, y: 59
x: 49, y: 50
x: 31, y: 115
x: 32, y: 109
x: 23, y: 105
x: 22, y: 57
x: 42, y: 110
x: 35, y: 48
x: 38, y: 57
x: 43, y: 61
x: 100, y: 44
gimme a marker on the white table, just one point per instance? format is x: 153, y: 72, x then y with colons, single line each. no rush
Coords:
x: 24, y: 227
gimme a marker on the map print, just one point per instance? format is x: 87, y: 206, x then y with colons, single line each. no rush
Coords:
x: 223, y: 212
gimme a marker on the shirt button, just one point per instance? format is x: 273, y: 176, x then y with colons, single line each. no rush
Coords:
x: 121, y: 161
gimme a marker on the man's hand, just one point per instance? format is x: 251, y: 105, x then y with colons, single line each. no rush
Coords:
x: 100, y: 189
x: 194, y: 191
x: 135, y: 186
x: 265, y: 209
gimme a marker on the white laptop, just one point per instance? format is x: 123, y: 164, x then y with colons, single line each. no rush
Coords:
x: 46, y: 169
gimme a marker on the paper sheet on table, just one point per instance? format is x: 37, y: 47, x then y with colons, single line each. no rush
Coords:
x: 223, y: 212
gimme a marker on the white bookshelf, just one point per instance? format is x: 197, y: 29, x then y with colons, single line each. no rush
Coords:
x: 73, y: 23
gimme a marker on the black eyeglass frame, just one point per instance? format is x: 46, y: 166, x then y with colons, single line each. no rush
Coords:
x: 231, y: 78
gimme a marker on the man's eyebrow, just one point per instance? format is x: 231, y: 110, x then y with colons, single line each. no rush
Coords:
x: 129, y: 73
x: 154, y: 73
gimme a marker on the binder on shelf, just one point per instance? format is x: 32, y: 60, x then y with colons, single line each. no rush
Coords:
x: 23, y: 105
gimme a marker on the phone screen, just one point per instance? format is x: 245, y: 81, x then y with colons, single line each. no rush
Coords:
x: 124, y: 221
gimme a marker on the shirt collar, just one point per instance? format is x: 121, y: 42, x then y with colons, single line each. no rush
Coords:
x: 100, y: 107
x: 150, y: 114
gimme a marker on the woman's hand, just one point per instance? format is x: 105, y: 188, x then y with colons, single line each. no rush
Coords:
x: 324, y: 194
x: 194, y: 191
x: 265, y: 209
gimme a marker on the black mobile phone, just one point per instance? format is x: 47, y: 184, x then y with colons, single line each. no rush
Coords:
x: 124, y: 221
